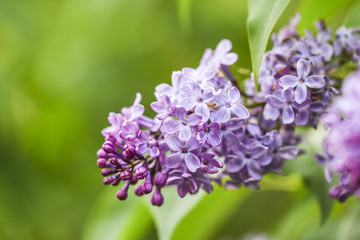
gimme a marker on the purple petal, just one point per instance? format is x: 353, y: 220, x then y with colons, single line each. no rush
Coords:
x: 208, y: 73
x: 182, y: 189
x: 193, y: 119
x: 180, y: 113
x: 234, y: 124
x: 287, y: 115
x: 258, y: 151
x: 231, y: 141
x: 223, y: 47
x: 173, y: 142
x: 345, y: 178
x: 154, y: 152
x: 300, y: 93
x: 271, y: 112
x: 288, y: 152
x: 275, y: 101
x: 216, y: 163
x: 289, y: 81
x: 192, y: 144
x: 234, y: 94
x: 266, y: 159
x: 240, y: 111
x: 190, y: 73
x: 222, y: 115
x: 304, y: 104
x: 171, y: 126
x: 302, y: 117
x: 317, y: 106
x: 142, y: 148
x: 229, y: 59
x: 184, y: 133
x: 188, y: 103
x: 234, y: 164
x: 174, y: 160
x: 214, y: 139
x: 192, y: 162
x: 215, y: 126
x: 314, y: 81
x: 287, y: 94
x: 203, y: 110
x: 254, y: 169
x: 303, y: 68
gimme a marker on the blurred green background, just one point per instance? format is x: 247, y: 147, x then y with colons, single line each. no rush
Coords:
x: 64, y: 65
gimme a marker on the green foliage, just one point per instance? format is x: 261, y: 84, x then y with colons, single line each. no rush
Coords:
x: 262, y: 16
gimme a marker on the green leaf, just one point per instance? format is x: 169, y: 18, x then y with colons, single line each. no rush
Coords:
x: 353, y: 17
x: 326, y: 10
x: 111, y: 218
x: 174, y: 209
x: 263, y: 14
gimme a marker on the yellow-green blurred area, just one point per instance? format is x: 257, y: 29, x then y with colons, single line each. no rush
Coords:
x: 64, y: 65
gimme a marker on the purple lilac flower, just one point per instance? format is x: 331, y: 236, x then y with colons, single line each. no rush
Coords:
x: 221, y: 55
x: 147, y: 144
x: 208, y: 134
x: 163, y: 107
x: 302, y: 81
x: 182, y: 125
x: 229, y: 103
x: 247, y: 156
x: 185, y: 182
x: 346, y: 39
x: 183, y: 152
x: 286, y: 103
x: 198, y: 101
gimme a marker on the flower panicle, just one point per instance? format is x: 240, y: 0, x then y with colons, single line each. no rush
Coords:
x: 206, y: 129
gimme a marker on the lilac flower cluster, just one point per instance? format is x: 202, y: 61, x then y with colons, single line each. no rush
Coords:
x: 205, y: 130
x: 342, y: 145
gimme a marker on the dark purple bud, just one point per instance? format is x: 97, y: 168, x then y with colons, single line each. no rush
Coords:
x: 101, y: 153
x: 115, y: 162
x: 141, y: 172
x: 108, y: 180
x: 157, y: 198
x: 116, y: 182
x: 106, y: 172
x: 121, y: 194
x: 146, y: 186
x: 111, y: 139
x: 129, y: 152
x: 133, y: 179
x: 108, y: 147
x: 125, y: 175
x: 160, y: 179
x: 101, y: 162
x: 138, y: 191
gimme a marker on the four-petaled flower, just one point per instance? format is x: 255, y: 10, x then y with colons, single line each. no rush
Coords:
x: 302, y: 81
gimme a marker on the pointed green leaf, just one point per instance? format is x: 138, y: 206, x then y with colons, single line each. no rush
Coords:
x: 263, y: 14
